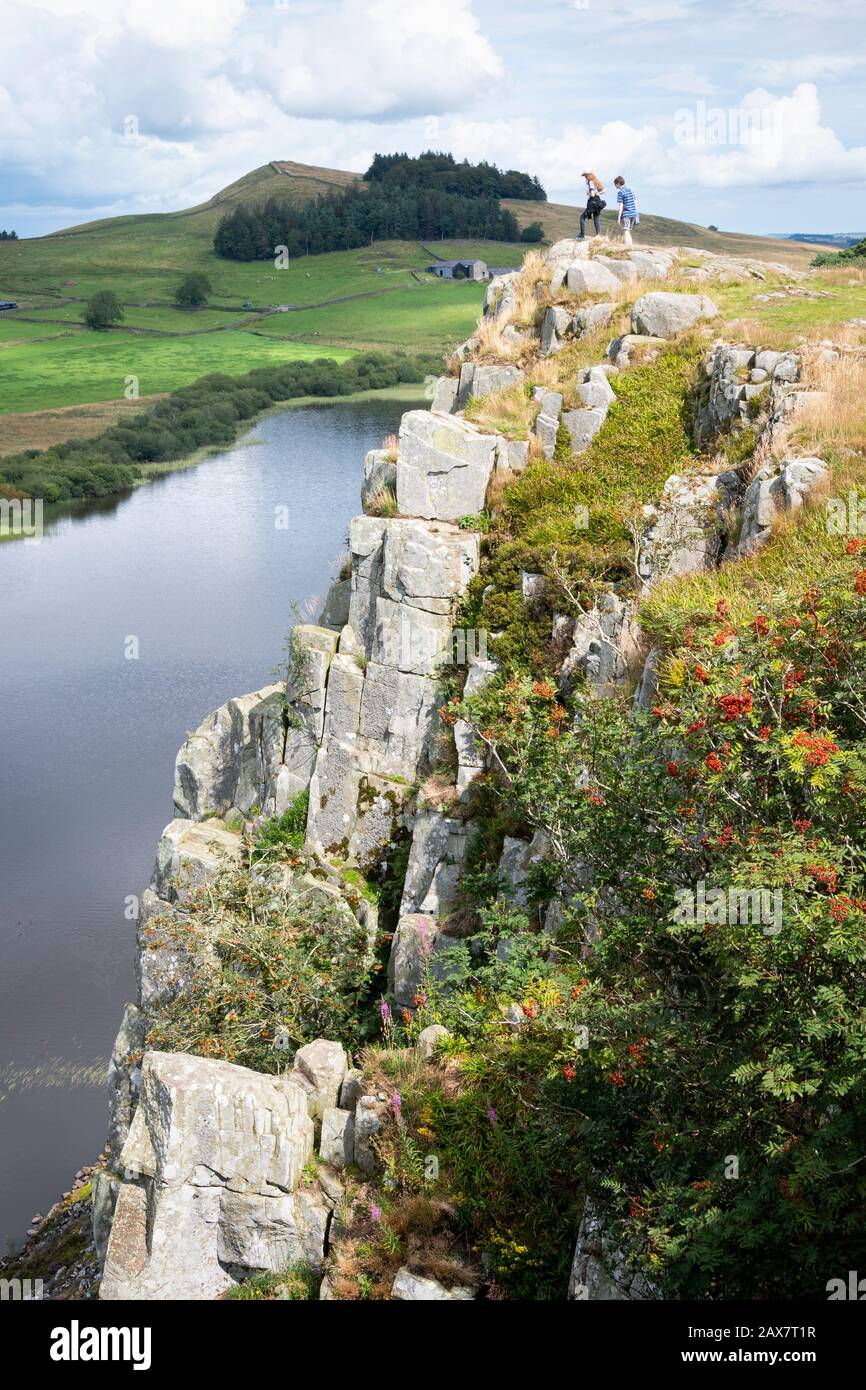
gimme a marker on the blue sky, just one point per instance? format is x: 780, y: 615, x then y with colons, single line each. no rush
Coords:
x: 747, y: 114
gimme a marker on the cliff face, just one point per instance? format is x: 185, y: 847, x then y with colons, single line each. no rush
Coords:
x: 217, y: 1151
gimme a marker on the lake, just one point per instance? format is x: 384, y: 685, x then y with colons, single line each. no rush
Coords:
x: 192, y: 567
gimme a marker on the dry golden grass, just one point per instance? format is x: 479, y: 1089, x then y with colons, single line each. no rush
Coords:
x: 756, y: 333
x: 40, y: 429
x: 438, y: 792
x: 507, y: 412
x: 836, y: 419
x: 524, y: 289
x: 383, y: 503
x: 848, y: 273
x: 491, y: 344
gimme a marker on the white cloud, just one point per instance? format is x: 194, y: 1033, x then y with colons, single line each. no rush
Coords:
x: 371, y: 58
x: 187, y: 71
x: 810, y: 67
x: 762, y: 142
x: 684, y: 79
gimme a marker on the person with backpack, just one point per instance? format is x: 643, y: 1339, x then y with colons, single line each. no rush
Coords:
x: 594, y: 203
x: 627, y: 214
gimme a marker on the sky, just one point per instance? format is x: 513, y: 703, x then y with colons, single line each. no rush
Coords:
x: 746, y: 114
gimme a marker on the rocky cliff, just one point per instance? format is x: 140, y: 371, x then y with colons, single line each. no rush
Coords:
x: 207, y: 1176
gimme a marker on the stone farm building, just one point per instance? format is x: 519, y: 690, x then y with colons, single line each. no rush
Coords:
x: 465, y: 270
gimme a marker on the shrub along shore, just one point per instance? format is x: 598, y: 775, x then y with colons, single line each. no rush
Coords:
x: 207, y: 415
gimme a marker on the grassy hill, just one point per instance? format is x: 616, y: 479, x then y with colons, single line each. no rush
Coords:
x: 373, y: 297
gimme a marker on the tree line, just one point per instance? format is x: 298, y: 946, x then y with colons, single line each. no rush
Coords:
x: 434, y: 169
x: 428, y: 198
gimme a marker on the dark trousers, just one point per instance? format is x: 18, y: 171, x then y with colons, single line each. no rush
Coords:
x: 596, y: 217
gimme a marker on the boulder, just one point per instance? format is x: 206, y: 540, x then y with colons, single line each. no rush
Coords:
x: 443, y: 466
x: 546, y: 425
x: 124, y: 1079
x: 323, y: 1064
x: 335, y: 612
x: 103, y: 1199
x: 651, y: 265
x: 517, y: 859
x: 413, y: 1288
x: 590, y: 277
x: 512, y: 455
x: 595, y: 390
x: 774, y: 490
x: 411, y: 953
x: 622, y: 270
x: 620, y: 349
x: 567, y: 249
x: 380, y: 472
x: 485, y: 380
x: 499, y: 296
x: 368, y: 1122
x: 163, y: 958
x: 664, y: 315
x: 212, y: 1166
x: 554, y: 326
x: 210, y: 764
x: 592, y: 316
x: 688, y: 529
x: 188, y: 853
x: 583, y: 426
x: 725, y: 401
x: 337, y: 1144
x: 445, y: 395
x: 435, y: 864
x: 351, y: 1090
x: 471, y: 755
x: 604, y: 646
x: 599, y: 1275
x: 243, y: 756
x: 429, y: 1039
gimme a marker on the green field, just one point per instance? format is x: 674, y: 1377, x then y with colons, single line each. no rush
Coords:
x: 72, y: 371
x: 14, y: 330
x: 376, y: 297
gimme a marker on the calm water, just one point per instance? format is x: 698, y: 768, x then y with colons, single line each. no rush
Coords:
x: 194, y: 567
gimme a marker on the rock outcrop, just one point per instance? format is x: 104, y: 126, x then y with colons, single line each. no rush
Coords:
x: 775, y: 490
x: 211, y: 1188
x: 663, y: 315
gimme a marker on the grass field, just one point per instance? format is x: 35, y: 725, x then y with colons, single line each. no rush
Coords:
x: 373, y: 297
x: 96, y: 368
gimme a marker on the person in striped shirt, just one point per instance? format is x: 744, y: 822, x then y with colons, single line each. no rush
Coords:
x: 626, y: 214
